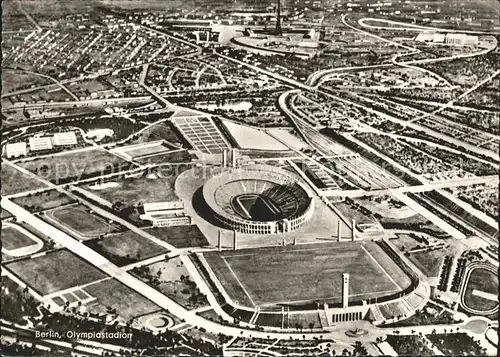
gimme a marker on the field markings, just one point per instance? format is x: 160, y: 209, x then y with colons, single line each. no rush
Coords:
x: 272, y: 303
x: 381, y: 268
x: 291, y: 251
x: 272, y: 208
x: 239, y: 282
x: 243, y: 208
x: 485, y: 295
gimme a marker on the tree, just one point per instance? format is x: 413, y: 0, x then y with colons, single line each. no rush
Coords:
x: 359, y: 349
x: 311, y: 326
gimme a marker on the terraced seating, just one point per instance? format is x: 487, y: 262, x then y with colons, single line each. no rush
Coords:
x: 393, y: 309
x: 414, y: 300
x: 272, y: 320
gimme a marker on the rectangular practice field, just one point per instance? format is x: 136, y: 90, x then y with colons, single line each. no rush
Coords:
x: 134, y: 190
x: 78, y: 164
x: 306, y: 273
x: 55, y: 271
x: 14, y: 181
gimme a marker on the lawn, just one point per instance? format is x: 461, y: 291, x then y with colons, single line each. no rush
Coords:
x: 160, y: 131
x: 14, y: 181
x: 43, y: 200
x: 126, y: 247
x: 14, y: 80
x: 170, y: 157
x: 112, y: 293
x: 303, y: 320
x: 75, y: 165
x: 180, y: 236
x: 482, y: 280
x: 428, y: 262
x: 13, y: 238
x: 172, y: 279
x: 421, y: 317
x: 456, y: 344
x: 306, y: 273
x: 55, y: 271
x: 146, y: 150
x: 131, y: 191
x: 78, y: 219
x: 5, y: 214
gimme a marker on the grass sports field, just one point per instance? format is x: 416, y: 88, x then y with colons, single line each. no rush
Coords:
x: 112, y: 293
x: 14, y: 181
x: 79, y: 220
x: 126, y: 247
x: 481, y: 280
x: 55, y: 271
x: 13, y: 238
x: 306, y: 273
x: 131, y: 191
x: 74, y: 165
x: 43, y: 200
x: 180, y: 236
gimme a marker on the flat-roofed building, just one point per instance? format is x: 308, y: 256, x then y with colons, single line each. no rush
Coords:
x: 151, y: 207
x: 68, y: 138
x: 164, y: 214
x: 40, y: 143
x: 16, y: 150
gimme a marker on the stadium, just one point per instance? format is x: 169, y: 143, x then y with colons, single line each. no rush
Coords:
x: 258, y: 199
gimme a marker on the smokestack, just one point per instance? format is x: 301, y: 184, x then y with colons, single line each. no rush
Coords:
x: 353, y: 229
x: 339, y: 229
x: 235, y: 246
x: 219, y: 242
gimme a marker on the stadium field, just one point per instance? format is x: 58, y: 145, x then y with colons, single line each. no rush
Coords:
x: 482, y: 290
x: 306, y: 273
x: 255, y: 207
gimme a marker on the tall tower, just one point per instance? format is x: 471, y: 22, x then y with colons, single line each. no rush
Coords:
x: 345, y: 290
x: 278, y: 19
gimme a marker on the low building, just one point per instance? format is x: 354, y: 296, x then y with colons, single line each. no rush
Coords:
x: 16, y: 150
x: 165, y: 214
x: 40, y: 143
x: 460, y: 39
x: 62, y: 139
